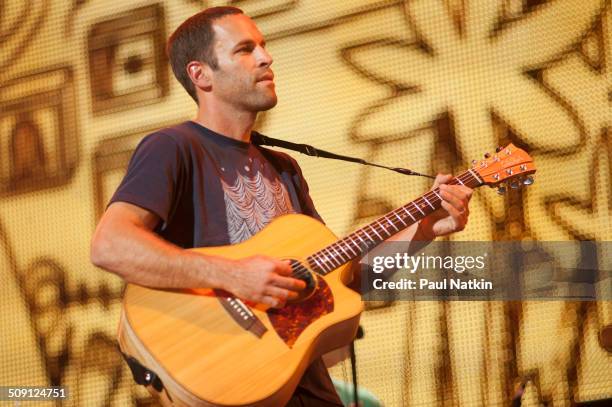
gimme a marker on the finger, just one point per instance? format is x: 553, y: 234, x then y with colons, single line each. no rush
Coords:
x: 289, y: 283
x: 467, y: 191
x: 451, y: 198
x: 463, y: 195
x: 459, y: 191
x: 456, y: 215
x: 271, y: 301
x: 280, y: 293
x: 458, y: 219
x: 441, y: 179
x: 283, y: 267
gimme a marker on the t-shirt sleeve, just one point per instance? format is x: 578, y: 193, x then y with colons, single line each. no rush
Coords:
x: 153, y: 176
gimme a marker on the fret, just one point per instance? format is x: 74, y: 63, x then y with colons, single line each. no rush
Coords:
x: 400, y: 219
x: 356, y: 245
x: 344, y: 251
x: 391, y: 223
x: 314, y: 258
x: 434, y: 191
x: 331, y: 255
x: 432, y: 207
x: 332, y: 246
x: 408, y: 212
x: 325, y: 263
x: 349, y: 247
x: 381, y: 225
x: 364, y: 242
x: 366, y: 233
x: 419, y: 209
x: 458, y: 179
x: 374, y: 230
x: 476, y: 177
x: 340, y: 244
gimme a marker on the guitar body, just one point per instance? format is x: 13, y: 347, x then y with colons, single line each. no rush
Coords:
x: 204, y: 357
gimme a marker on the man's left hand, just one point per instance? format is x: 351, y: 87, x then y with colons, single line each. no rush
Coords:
x: 453, y: 216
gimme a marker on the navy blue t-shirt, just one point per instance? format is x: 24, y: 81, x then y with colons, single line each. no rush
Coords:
x: 211, y: 190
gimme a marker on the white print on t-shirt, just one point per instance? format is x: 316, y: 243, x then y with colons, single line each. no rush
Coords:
x: 251, y: 203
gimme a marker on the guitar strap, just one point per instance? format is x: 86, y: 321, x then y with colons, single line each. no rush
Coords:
x: 261, y: 140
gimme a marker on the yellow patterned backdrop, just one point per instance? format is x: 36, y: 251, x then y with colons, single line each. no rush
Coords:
x: 428, y: 84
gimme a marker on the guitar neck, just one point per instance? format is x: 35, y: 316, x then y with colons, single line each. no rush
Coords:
x: 362, y: 240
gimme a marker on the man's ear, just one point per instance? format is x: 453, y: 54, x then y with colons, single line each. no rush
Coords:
x: 200, y: 74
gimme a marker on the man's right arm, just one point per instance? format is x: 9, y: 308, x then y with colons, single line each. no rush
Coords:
x: 124, y: 243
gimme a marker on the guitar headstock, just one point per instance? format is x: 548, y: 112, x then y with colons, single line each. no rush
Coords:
x: 509, y: 165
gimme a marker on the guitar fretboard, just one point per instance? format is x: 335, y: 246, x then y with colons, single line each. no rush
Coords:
x: 362, y: 240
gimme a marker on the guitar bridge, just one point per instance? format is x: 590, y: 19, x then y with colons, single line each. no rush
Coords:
x: 241, y: 314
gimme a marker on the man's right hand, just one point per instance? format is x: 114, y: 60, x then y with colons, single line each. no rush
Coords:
x: 125, y: 244
x: 263, y: 280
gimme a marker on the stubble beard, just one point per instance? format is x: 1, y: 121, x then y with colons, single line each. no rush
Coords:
x: 259, y: 100
x: 250, y: 96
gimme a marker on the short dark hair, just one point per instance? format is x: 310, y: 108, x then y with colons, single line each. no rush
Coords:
x: 193, y: 40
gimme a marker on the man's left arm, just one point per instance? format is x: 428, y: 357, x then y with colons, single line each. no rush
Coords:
x: 451, y: 218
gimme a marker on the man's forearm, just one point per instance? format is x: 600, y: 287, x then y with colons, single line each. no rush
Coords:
x: 140, y: 257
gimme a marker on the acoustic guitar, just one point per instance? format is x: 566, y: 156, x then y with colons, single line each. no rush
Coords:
x: 204, y: 347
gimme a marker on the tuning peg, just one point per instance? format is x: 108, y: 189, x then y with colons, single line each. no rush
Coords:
x: 514, y: 184
x: 501, y: 190
x: 487, y: 155
x: 498, y: 149
x: 474, y: 162
x: 528, y: 181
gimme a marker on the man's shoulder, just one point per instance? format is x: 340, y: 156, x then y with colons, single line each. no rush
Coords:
x: 171, y: 138
x: 180, y: 133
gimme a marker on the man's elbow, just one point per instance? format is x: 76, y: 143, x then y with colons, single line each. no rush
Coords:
x: 100, y: 250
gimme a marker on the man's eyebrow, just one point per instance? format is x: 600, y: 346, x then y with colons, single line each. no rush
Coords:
x: 249, y: 42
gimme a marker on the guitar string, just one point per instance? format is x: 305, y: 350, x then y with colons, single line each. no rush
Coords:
x: 327, y: 260
x: 324, y: 259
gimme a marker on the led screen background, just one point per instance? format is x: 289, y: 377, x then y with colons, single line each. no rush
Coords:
x: 428, y: 85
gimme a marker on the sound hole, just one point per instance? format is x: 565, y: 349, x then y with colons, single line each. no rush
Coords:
x: 302, y: 272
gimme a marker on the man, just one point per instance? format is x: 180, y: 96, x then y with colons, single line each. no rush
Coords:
x: 202, y: 183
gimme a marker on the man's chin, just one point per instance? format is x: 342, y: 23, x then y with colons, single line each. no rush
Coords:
x: 268, y: 104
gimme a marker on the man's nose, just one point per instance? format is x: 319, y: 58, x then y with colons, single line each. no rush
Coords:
x: 265, y: 59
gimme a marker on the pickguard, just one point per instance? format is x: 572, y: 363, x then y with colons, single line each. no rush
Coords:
x: 291, y: 320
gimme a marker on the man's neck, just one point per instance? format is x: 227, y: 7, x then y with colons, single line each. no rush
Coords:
x: 227, y: 122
